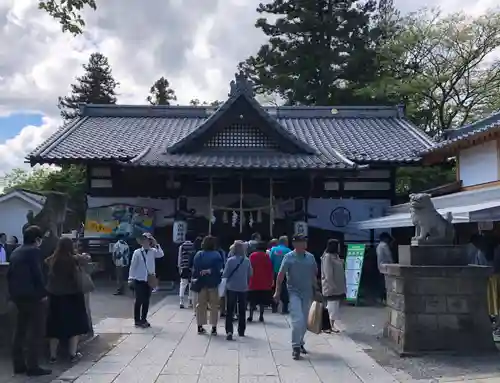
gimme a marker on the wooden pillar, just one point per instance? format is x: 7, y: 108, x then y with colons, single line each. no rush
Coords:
x: 271, y: 215
x: 241, y: 204
x: 210, y: 205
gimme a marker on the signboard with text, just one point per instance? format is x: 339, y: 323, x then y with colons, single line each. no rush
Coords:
x: 353, y: 270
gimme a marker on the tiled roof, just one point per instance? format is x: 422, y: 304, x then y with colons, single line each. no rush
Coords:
x: 463, y: 133
x: 328, y: 138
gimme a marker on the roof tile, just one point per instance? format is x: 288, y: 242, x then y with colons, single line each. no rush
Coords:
x: 141, y: 135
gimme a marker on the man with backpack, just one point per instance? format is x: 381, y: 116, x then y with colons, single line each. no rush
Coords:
x: 187, y: 251
x: 121, y: 259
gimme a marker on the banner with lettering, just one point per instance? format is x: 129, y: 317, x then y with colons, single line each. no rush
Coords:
x: 110, y: 221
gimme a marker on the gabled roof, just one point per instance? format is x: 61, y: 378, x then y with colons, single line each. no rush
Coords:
x: 467, y: 135
x: 298, y: 137
x: 289, y: 142
x: 34, y: 199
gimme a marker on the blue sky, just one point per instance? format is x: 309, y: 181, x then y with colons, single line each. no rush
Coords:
x: 10, y: 126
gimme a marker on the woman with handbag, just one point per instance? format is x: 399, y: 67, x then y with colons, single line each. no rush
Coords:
x: 207, y: 266
x: 333, y: 283
x: 67, y: 282
x: 235, y: 279
x: 142, y: 277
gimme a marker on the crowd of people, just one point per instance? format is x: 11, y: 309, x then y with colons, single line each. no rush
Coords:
x: 7, y: 246
x: 252, y: 276
x: 256, y: 275
x: 49, y: 298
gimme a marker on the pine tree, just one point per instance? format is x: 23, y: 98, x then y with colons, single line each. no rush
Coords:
x: 161, y: 93
x: 96, y: 86
x: 318, y: 52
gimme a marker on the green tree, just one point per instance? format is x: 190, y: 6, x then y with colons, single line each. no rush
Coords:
x: 68, y: 13
x: 443, y: 67
x: 96, y: 86
x: 69, y: 179
x: 318, y: 52
x: 196, y: 102
x: 161, y: 93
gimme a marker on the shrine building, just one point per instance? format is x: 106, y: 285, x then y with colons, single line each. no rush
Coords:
x: 236, y: 169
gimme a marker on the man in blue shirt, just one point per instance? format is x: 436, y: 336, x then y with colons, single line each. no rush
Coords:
x: 277, y: 254
x: 301, y: 270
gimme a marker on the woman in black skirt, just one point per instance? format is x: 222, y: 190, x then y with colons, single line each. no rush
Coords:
x: 67, y: 316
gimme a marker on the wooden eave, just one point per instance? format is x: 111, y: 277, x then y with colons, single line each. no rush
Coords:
x: 452, y: 149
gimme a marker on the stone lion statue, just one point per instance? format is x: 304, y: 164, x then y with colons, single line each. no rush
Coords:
x: 430, y: 226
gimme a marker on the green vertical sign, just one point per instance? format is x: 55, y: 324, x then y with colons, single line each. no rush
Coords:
x: 353, y: 270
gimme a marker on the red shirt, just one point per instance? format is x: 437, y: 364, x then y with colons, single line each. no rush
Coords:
x: 262, y: 271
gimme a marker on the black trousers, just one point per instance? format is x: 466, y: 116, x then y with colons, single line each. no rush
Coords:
x: 236, y: 299
x: 284, y: 297
x: 28, y: 336
x: 142, y: 297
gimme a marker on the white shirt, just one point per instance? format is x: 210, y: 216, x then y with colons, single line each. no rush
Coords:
x: 3, y: 255
x: 138, y: 269
x: 384, y: 254
x: 120, y: 250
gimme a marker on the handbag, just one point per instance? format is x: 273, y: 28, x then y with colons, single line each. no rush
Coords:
x: 222, y: 285
x: 84, y: 281
x: 152, y: 280
x: 315, y: 317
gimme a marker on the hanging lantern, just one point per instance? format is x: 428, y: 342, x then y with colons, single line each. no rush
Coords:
x: 224, y: 217
x: 251, y: 221
x: 243, y: 219
x: 212, y: 217
x: 259, y: 216
x: 234, y: 219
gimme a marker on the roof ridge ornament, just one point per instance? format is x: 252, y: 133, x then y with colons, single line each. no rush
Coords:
x: 241, y: 85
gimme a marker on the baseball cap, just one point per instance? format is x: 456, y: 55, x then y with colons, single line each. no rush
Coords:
x: 147, y: 235
x: 299, y: 238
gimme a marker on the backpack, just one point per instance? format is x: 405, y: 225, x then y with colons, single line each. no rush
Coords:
x: 188, y: 252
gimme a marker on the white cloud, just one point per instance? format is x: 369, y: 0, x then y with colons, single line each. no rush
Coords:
x: 195, y: 44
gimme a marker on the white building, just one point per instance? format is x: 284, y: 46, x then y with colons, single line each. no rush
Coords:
x: 14, y: 207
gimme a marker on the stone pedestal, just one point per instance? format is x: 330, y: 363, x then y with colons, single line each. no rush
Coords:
x: 433, y: 255
x: 438, y: 308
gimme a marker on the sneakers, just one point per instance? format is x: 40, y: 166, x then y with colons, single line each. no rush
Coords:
x: 181, y: 306
x: 214, y: 330
x: 201, y: 330
x: 229, y: 336
x: 142, y: 324
x: 303, y: 350
x: 296, y: 353
x: 75, y: 358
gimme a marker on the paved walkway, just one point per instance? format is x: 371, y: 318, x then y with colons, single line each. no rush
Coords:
x: 172, y: 352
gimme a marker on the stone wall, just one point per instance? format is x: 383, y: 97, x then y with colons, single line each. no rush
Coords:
x: 437, y: 308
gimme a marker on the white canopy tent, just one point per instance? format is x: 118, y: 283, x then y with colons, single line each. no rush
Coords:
x: 474, y: 211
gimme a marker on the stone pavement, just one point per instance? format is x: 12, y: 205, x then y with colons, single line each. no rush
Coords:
x: 171, y: 351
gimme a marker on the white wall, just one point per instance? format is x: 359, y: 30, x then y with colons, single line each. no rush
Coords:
x: 13, y: 213
x: 479, y: 164
x: 356, y: 209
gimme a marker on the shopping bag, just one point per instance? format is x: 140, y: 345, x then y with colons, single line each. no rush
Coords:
x: 222, y: 287
x: 315, y: 317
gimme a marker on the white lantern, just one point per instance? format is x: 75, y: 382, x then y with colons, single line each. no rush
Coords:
x: 179, y: 231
